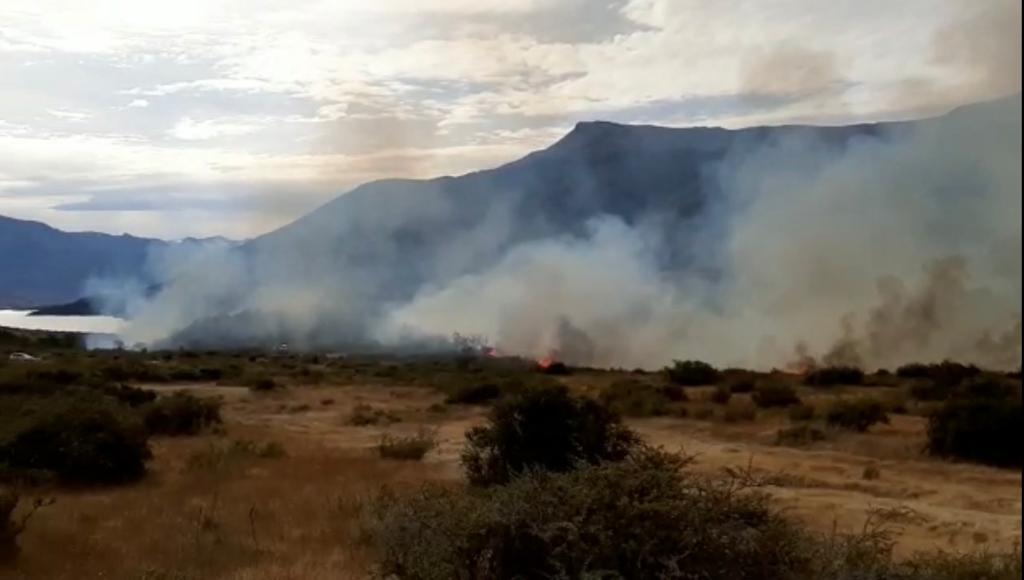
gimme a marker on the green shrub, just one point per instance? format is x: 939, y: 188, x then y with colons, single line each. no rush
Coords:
x: 744, y: 384
x: 703, y: 413
x: 641, y: 518
x: 261, y: 383
x: 721, y: 394
x: 78, y: 438
x: 131, y: 396
x: 181, y: 414
x: 856, y: 414
x: 801, y: 412
x: 634, y: 398
x: 947, y: 373
x: 837, y: 375
x: 363, y: 415
x: 799, y: 435
x: 474, y: 394
x: 219, y: 456
x: 981, y: 425
x: 555, y: 368
x: 774, y: 394
x: 691, y: 373
x: 545, y: 429
x: 406, y: 448
x: 739, y: 412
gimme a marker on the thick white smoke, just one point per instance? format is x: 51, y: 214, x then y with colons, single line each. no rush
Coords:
x: 901, y: 246
x: 904, y: 247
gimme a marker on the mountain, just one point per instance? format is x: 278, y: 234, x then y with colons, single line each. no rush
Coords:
x: 427, y: 231
x: 43, y: 265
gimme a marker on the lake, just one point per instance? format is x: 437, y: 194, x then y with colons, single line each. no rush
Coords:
x: 92, y: 324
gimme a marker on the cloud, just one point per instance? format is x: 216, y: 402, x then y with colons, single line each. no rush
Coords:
x: 192, y: 130
x: 218, y: 88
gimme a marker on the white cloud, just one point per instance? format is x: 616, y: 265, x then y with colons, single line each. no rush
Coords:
x: 189, y: 129
x: 278, y: 88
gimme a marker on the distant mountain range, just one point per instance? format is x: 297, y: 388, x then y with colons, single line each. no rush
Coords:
x: 41, y: 265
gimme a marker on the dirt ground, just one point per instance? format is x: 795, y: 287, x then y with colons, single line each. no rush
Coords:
x: 297, y: 516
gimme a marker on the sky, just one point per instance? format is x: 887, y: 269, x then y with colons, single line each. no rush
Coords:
x: 233, y: 117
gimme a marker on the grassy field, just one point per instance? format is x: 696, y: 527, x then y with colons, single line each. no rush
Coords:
x: 279, y: 488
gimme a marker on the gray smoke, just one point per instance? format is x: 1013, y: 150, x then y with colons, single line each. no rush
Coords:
x: 904, y: 247
x: 900, y: 246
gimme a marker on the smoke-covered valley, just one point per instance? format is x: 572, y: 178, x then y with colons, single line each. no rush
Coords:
x: 632, y: 245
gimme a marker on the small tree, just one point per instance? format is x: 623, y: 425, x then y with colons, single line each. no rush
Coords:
x: 982, y: 424
x: 774, y: 395
x: 691, y: 372
x: 858, y: 414
x: 543, y: 429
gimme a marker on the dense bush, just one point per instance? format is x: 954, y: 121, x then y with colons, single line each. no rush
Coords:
x: 774, y: 394
x: 555, y: 368
x: 363, y: 415
x: 743, y: 384
x: 981, y: 424
x: 546, y: 429
x: 801, y: 412
x: 646, y: 517
x: 131, y: 396
x: 181, y: 414
x: 838, y: 375
x: 473, y: 394
x: 739, y: 412
x: 721, y: 394
x: 80, y: 439
x: 691, y: 372
x: 856, y: 414
x: 799, y: 435
x: 946, y: 373
x: 637, y: 519
x: 634, y: 398
x: 406, y: 448
x: 261, y: 383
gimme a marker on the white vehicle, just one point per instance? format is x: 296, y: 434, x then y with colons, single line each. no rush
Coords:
x: 23, y: 356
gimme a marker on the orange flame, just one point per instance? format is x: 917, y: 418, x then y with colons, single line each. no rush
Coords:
x: 545, y: 362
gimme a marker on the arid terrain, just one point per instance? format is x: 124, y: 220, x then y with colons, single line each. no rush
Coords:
x: 277, y: 490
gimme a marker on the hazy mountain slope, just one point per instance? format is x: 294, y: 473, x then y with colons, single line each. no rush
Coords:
x: 42, y: 265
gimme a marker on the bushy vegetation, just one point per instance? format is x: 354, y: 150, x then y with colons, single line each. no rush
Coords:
x: 363, y: 415
x: 473, y: 394
x: 801, y: 412
x: 181, y: 414
x: 408, y: 447
x: 834, y: 375
x: 543, y: 429
x: 641, y: 518
x: 980, y: 423
x: 774, y: 394
x: 721, y: 394
x: 644, y: 517
x: 799, y: 435
x: 692, y: 373
x: 635, y: 398
x: 78, y: 439
x: 739, y: 412
x: 856, y: 414
x: 947, y: 372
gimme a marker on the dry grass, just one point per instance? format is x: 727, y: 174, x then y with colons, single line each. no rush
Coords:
x: 297, y: 516
x: 286, y: 517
